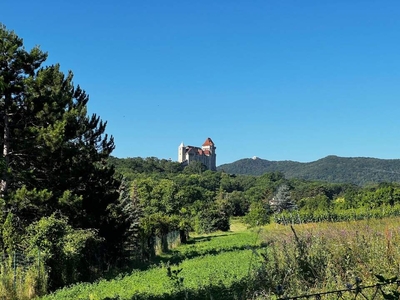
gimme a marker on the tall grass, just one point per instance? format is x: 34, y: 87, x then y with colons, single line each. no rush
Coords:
x: 318, y: 257
x: 22, y: 281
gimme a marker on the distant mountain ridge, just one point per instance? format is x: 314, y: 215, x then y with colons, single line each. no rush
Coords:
x: 357, y: 170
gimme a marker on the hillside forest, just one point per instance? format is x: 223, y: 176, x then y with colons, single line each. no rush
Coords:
x: 84, y: 214
x: 357, y: 170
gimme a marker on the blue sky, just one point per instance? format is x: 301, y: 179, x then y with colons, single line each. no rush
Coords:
x: 281, y: 80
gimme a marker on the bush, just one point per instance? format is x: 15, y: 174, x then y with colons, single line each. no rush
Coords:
x: 67, y: 253
x: 211, y: 220
x: 258, y: 215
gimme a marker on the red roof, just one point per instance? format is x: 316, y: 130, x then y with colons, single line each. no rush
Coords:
x: 208, y: 142
x: 199, y: 151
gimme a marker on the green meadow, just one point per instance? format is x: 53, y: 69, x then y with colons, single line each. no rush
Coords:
x: 260, y: 263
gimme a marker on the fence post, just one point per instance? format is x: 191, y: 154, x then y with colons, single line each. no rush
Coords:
x: 39, y: 280
x: 15, y: 271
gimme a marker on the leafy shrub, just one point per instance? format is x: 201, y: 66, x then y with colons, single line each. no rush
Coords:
x: 258, y: 214
x: 67, y: 252
x: 211, y: 220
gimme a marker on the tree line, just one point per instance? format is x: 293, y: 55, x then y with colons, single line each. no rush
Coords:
x: 208, y: 198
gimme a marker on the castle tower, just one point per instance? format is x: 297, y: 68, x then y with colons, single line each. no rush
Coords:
x: 209, y: 149
x: 181, y: 153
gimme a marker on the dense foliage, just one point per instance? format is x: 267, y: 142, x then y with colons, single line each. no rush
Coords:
x: 357, y: 170
x: 259, y: 198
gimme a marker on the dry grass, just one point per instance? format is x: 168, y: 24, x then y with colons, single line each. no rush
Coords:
x: 325, y: 256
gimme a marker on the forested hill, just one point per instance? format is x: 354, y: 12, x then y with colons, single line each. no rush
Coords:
x: 358, y: 170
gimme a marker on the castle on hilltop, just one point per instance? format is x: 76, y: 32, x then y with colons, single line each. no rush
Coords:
x: 206, y: 154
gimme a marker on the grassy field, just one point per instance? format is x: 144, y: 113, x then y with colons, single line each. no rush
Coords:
x: 244, y: 263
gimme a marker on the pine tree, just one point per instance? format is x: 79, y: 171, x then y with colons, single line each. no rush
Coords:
x: 131, y: 213
x: 282, y: 199
x: 51, y: 144
x: 16, y: 65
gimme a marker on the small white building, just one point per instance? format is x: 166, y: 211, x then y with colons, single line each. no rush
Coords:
x: 206, y: 154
